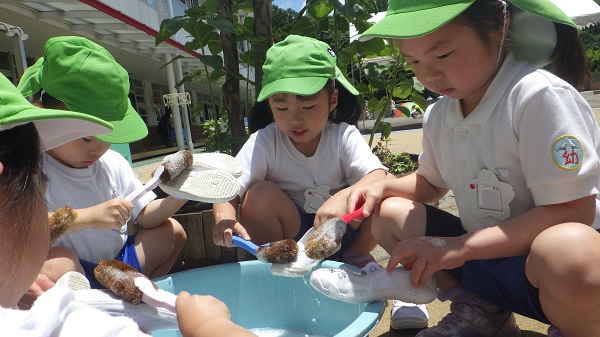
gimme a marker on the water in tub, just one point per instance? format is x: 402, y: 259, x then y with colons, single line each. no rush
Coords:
x: 268, y: 332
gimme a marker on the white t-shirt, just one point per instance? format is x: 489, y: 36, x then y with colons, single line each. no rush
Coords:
x: 57, y: 314
x: 342, y: 158
x: 106, y: 179
x: 532, y: 131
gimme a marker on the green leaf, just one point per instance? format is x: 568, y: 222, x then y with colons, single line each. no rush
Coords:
x: 213, y: 61
x: 170, y: 27
x: 319, y: 9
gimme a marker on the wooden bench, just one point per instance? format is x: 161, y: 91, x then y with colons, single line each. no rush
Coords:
x: 199, y: 250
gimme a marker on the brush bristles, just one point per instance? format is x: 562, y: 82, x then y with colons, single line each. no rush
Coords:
x: 326, y: 240
x: 278, y: 252
x: 60, y: 221
x: 119, y: 277
x: 175, y: 164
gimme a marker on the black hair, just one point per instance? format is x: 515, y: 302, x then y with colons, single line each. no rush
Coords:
x: 347, y: 110
x: 48, y: 101
x: 568, y: 60
x: 22, y: 182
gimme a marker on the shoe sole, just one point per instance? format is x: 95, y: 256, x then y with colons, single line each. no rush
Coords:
x: 74, y: 281
x: 217, y: 161
x: 204, y: 186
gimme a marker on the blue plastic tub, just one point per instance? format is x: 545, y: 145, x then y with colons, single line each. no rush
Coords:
x: 257, y: 299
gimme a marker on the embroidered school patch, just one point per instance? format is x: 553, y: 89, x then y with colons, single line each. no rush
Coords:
x: 567, y: 152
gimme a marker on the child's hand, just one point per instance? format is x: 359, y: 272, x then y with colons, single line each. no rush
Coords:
x: 204, y: 316
x: 332, y: 208
x: 371, y: 195
x: 426, y: 255
x: 225, y: 229
x: 194, y: 311
x: 112, y: 214
x: 41, y: 284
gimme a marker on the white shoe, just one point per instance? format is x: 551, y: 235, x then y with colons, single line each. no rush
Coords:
x: 212, y: 186
x: 408, y: 315
x: 73, y: 280
x: 217, y: 161
x: 356, y: 286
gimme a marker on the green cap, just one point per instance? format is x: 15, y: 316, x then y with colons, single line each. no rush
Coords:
x: 300, y: 65
x: 55, y: 127
x: 86, y: 77
x: 532, y: 33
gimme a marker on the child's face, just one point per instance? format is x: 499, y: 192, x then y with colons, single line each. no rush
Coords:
x: 20, y: 270
x: 302, y: 118
x: 453, y: 61
x: 80, y: 153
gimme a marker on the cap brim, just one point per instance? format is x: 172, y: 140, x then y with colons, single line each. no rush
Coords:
x: 130, y: 128
x: 343, y: 81
x: 303, y: 86
x: 57, y: 127
x: 409, y: 24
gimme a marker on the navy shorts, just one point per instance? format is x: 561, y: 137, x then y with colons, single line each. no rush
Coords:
x: 306, y: 222
x: 127, y: 255
x: 500, y: 281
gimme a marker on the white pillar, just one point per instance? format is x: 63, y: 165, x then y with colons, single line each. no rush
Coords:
x: 19, y: 50
x: 174, y: 107
x: 184, y: 107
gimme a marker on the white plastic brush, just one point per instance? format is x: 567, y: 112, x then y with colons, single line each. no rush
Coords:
x: 171, y: 166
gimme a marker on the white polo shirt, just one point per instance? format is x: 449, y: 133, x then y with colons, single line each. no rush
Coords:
x: 532, y: 140
x: 342, y: 158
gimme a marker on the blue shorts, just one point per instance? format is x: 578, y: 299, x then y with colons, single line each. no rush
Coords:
x: 500, y: 281
x: 127, y: 255
x: 306, y: 222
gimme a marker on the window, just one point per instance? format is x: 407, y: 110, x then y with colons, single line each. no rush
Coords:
x: 136, y: 96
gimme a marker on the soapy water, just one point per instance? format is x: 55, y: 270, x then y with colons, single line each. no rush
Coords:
x: 270, y: 332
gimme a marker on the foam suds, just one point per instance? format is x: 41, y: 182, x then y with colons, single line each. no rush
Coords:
x: 326, y: 240
x: 175, y: 164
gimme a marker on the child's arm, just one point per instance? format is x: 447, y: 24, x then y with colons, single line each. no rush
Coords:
x: 412, y: 186
x: 337, y: 205
x: 159, y: 210
x: 111, y: 214
x: 511, y: 238
x: 200, y: 316
x: 226, y: 223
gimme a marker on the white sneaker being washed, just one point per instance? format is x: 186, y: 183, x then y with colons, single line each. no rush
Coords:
x: 357, y: 286
x: 404, y: 315
x: 216, y: 161
x: 211, y: 186
x: 408, y: 315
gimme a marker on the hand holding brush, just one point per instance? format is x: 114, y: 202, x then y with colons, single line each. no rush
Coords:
x: 171, y: 166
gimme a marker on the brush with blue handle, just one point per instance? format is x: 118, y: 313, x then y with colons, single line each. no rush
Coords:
x: 282, y: 251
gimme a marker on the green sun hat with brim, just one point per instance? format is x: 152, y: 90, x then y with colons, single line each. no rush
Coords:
x: 300, y: 65
x: 55, y: 127
x: 86, y: 77
x: 531, y: 31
